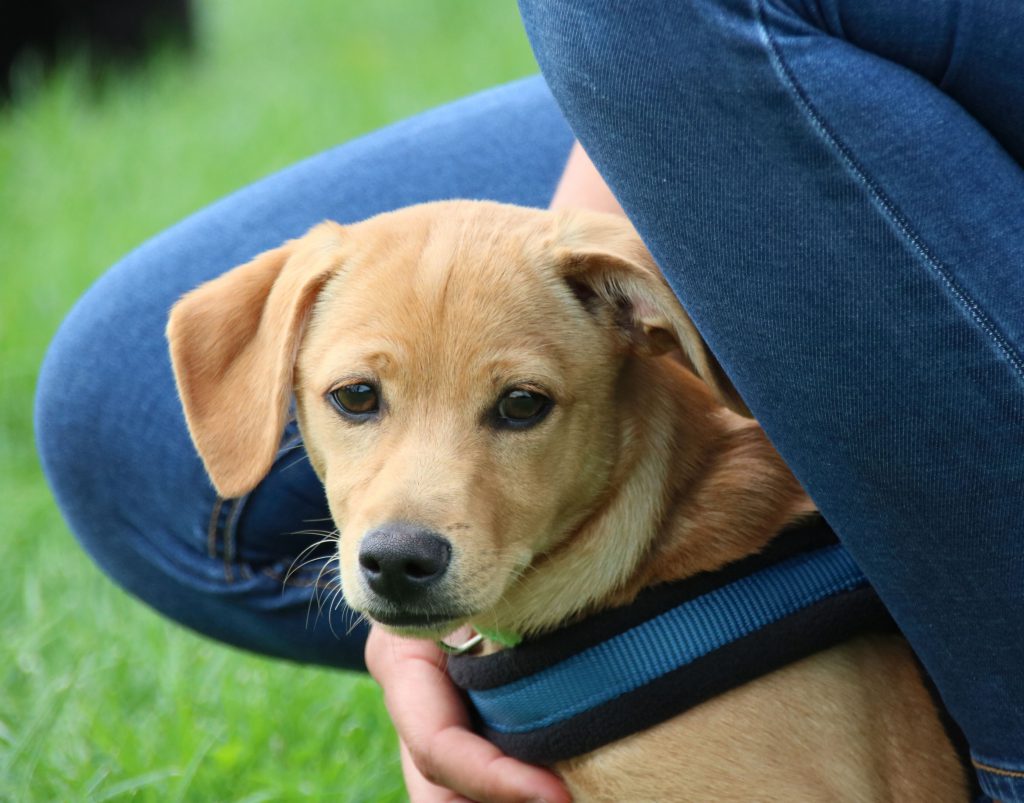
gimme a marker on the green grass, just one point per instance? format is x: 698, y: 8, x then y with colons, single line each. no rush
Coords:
x: 100, y: 699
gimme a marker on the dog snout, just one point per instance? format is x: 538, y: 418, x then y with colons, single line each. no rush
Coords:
x: 402, y: 562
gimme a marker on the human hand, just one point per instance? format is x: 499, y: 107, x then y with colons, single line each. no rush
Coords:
x: 442, y: 759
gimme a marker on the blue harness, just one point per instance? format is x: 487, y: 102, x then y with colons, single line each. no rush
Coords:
x: 626, y: 669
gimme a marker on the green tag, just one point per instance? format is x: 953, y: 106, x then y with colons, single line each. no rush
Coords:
x: 499, y: 637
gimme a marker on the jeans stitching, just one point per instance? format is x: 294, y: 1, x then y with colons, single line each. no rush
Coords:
x: 230, y: 538
x: 211, y: 531
x: 227, y: 535
x: 996, y: 770
x: 287, y: 445
x: 895, y: 216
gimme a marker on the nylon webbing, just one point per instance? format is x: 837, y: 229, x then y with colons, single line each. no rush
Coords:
x: 625, y: 669
x: 666, y: 642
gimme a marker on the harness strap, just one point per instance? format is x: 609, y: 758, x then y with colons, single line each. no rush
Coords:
x: 623, y: 670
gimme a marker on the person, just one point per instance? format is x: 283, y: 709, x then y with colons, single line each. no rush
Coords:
x: 834, y: 190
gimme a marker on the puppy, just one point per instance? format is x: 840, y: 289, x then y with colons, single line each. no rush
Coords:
x: 516, y: 425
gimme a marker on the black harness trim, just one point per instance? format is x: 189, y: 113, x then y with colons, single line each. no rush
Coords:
x: 810, y: 630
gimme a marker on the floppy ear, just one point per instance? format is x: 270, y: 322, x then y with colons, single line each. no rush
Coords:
x: 603, y: 260
x: 233, y: 345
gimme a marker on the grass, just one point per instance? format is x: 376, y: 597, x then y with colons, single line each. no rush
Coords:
x: 101, y: 699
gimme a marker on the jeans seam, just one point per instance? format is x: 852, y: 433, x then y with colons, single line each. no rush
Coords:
x: 213, y: 528
x: 817, y: 120
x: 234, y: 514
x: 964, y: 19
x: 229, y: 538
x: 996, y: 770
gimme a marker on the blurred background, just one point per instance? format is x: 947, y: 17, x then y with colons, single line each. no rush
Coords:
x: 101, y: 699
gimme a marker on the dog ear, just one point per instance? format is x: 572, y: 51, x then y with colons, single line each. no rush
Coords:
x: 233, y: 344
x: 605, y: 263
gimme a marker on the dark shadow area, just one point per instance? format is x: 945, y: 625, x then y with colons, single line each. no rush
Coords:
x: 106, y: 32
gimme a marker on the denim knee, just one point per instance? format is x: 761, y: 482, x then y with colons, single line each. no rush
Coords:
x: 114, y: 447
x: 109, y: 430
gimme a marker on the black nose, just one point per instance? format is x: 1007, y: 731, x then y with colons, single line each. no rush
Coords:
x: 401, y: 562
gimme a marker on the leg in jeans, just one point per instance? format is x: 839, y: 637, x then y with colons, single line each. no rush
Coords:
x: 834, y: 189
x: 109, y: 425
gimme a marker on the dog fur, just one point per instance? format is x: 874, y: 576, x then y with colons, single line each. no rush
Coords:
x: 645, y: 470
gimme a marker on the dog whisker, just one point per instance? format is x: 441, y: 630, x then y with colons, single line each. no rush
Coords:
x: 329, y: 533
x: 329, y: 565
x: 304, y: 457
x: 357, y: 620
x: 295, y: 565
x: 328, y: 538
x: 330, y: 610
x: 314, y: 597
x: 318, y: 590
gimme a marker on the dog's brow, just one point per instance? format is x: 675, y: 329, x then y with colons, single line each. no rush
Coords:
x: 376, y: 361
x: 380, y: 360
x: 505, y: 373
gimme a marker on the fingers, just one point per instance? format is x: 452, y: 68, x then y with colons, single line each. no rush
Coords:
x: 441, y: 751
x: 420, y: 789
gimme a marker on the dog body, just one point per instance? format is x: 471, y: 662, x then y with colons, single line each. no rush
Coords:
x: 852, y: 723
x: 517, y: 425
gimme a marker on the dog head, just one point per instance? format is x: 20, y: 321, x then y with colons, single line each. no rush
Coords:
x: 469, y: 380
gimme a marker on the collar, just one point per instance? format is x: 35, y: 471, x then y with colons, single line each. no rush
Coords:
x: 623, y: 670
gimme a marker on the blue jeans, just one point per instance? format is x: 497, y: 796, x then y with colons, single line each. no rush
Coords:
x: 833, y: 189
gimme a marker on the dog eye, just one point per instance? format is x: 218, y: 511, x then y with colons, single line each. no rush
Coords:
x: 359, y: 399
x: 522, y: 408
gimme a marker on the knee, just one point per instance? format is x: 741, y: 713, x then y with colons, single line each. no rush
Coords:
x: 68, y: 406
x: 113, y: 444
x: 610, y: 65
x: 109, y: 431
x: 581, y: 48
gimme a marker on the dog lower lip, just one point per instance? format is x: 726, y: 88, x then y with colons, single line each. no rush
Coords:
x: 414, y: 619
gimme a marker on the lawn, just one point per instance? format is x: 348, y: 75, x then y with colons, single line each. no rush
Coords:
x: 101, y: 699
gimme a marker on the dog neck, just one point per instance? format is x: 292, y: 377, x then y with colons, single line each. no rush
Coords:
x: 695, y: 487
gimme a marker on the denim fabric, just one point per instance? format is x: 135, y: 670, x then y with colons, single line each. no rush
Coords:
x: 109, y: 426
x: 834, y: 190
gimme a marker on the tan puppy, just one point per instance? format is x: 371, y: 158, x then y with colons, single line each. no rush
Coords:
x: 496, y: 401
